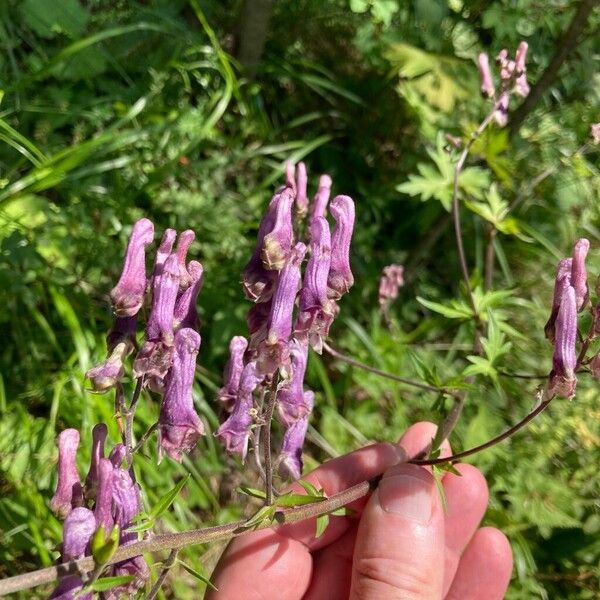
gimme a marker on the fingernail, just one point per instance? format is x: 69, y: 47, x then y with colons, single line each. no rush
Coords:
x: 407, y: 491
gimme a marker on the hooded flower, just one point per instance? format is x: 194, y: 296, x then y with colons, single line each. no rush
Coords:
x: 561, y: 283
x: 501, y: 112
x: 69, y: 492
x: 117, y: 455
x: 301, y: 195
x: 78, y: 529
x: 291, y: 399
x: 235, y: 431
x: 103, y: 507
x: 68, y: 588
x: 562, y: 380
x: 186, y: 313
x: 122, y: 332
x: 179, y: 427
x: 290, y: 176
x: 163, y: 252
x: 106, y: 375
x: 579, y: 273
x: 521, y: 85
x: 183, y: 245
x: 316, y: 311
x: 290, y: 458
x: 233, y: 371
x: 257, y: 320
x: 128, y: 295
x: 392, y: 279
x: 154, y: 358
x: 273, y: 351
x: 340, y: 278
x: 99, y: 435
x: 485, y: 75
x: 278, y: 242
x: 319, y: 208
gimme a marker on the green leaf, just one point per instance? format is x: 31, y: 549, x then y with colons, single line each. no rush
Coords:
x: 167, y: 499
x: 343, y: 511
x: 49, y: 19
x: 143, y: 526
x: 311, y: 490
x: 291, y: 499
x: 359, y: 6
x: 384, y: 10
x: 437, y: 477
x: 249, y: 491
x: 266, y: 513
x: 457, y: 310
x: 107, y: 583
x: 201, y: 577
x: 322, y: 523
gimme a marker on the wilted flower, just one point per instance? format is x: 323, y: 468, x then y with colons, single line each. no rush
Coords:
x: 392, y: 279
x: 128, y: 295
x: 183, y: 244
x: 485, y: 75
x: 290, y: 465
x: 273, y: 351
x: 561, y: 283
x: 278, y: 242
x: 106, y: 375
x: 99, y: 434
x: 562, y: 380
x: 186, y: 313
x: 233, y: 371
x: 340, y: 278
x: 319, y: 208
x: 235, y: 431
x: 579, y: 273
x: 122, y: 331
x: 291, y: 397
x: 69, y: 492
x: 179, y: 427
x: 316, y: 310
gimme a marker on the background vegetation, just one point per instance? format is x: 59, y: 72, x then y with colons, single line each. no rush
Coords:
x: 113, y: 109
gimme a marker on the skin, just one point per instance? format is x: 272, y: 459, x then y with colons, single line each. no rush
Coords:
x: 398, y: 543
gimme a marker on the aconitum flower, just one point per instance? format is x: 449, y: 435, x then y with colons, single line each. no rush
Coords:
x: 340, y: 278
x: 291, y: 397
x: 561, y: 283
x: 122, y: 331
x: 99, y: 435
x: 103, y: 507
x: 301, y: 195
x: 319, y: 208
x: 290, y: 458
x: 117, y: 455
x: 78, y: 529
x: 562, y: 380
x: 257, y: 319
x: 164, y: 250
x: 186, y: 313
x: 179, y: 427
x: 579, y: 273
x: 183, y: 244
x: 521, y: 84
x: 128, y: 295
x: 316, y: 310
x: 273, y: 351
x: 290, y: 176
x: 69, y: 492
x: 501, y: 112
x: 278, y: 242
x: 68, y: 588
x: 235, y: 431
x: 485, y: 75
x: 392, y: 279
x: 233, y: 371
x: 106, y: 375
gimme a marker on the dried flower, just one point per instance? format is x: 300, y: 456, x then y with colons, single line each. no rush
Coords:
x: 579, y: 273
x: 99, y: 435
x: 561, y: 283
x: 128, y: 295
x: 235, y: 431
x: 301, y: 195
x: 562, y: 380
x: 290, y: 458
x: 103, y: 507
x: 273, y: 351
x: 392, y: 279
x: 487, y: 85
x: 69, y: 492
x: 186, y: 313
x: 278, y: 242
x: 106, y: 375
x: 233, y: 371
x: 340, y: 278
x: 319, y: 208
x: 179, y: 427
x: 122, y: 331
x: 183, y: 244
x: 291, y: 398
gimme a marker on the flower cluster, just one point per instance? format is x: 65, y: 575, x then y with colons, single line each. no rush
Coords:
x: 167, y: 358
x: 390, y: 282
x: 513, y: 79
x: 108, y: 501
x: 291, y: 311
x: 571, y: 295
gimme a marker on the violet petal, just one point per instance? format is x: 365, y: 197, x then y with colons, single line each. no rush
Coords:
x: 290, y: 457
x: 69, y: 492
x: 340, y: 278
x: 233, y: 371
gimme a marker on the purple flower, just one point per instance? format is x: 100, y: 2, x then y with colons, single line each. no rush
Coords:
x: 183, y: 244
x: 103, y: 507
x: 521, y: 57
x: 163, y: 252
x: 290, y: 176
x: 501, y: 112
x: 122, y: 331
x: 78, y: 529
x: 136, y: 567
x: 69, y: 492
x: 233, y: 371
x: 562, y: 380
x: 522, y: 86
x: 561, y: 283
x: 273, y: 351
x: 117, y: 455
x: 485, y: 75
x: 340, y: 278
x: 128, y: 295
x: 186, y: 313
x: 257, y: 319
x: 68, y: 587
x: 392, y: 279
x: 179, y: 427
x: 106, y: 375
x: 235, y: 431
x: 99, y: 434
x: 579, y: 273
x: 291, y: 398
x: 319, y: 208
x: 278, y: 242
x: 301, y: 195
x: 290, y: 457
x: 316, y: 310
x: 155, y: 356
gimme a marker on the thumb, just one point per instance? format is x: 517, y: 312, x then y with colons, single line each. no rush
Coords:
x: 399, y: 550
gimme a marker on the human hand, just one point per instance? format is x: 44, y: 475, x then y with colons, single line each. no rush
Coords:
x: 397, y: 544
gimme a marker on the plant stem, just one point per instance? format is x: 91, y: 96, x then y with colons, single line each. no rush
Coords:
x: 163, y: 574
x: 268, y: 418
x: 129, y: 414
x: 145, y: 437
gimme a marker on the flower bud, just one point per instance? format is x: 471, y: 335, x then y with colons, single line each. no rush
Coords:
x: 278, y: 242
x: 128, y: 295
x: 521, y: 58
x: 179, y: 427
x: 233, y: 371
x: 579, y: 273
x: 340, y: 278
x: 186, y: 313
x: 485, y: 75
x: 290, y: 176
x: 69, y: 492
x: 291, y: 398
x: 290, y: 458
x: 99, y: 434
x: 103, y: 548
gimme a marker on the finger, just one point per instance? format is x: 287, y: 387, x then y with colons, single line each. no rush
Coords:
x: 484, y: 569
x: 400, y: 541
x: 466, y: 499
x: 418, y: 437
